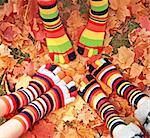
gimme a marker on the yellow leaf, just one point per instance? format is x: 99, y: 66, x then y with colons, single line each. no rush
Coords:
x: 23, y: 81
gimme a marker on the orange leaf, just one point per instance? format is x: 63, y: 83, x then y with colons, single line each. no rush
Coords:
x: 124, y: 58
x: 44, y: 130
x: 122, y: 13
x: 136, y: 70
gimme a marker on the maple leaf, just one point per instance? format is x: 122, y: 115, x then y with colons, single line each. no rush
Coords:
x: 86, y: 114
x: 136, y: 70
x: 74, y: 16
x: 42, y: 129
x: 116, y: 4
x: 122, y: 13
x: 124, y: 58
x: 10, y: 34
x: 39, y: 34
x: 145, y: 22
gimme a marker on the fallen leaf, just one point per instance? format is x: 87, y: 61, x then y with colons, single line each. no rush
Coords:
x: 43, y: 129
x: 136, y: 70
x: 23, y: 81
x: 122, y: 13
x: 124, y: 58
x: 145, y: 22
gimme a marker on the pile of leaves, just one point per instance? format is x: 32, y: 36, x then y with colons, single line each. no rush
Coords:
x: 23, y: 51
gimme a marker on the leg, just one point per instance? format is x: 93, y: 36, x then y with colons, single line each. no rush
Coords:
x: 92, y: 37
x: 58, y: 43
x: 61, y: 94
x: 105, y: 71
x: 93, y: 94
x: 43, y: 80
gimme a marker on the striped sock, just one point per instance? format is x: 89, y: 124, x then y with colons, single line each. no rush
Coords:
x: 42, y: 81
x: 62, y: 93
x: 92, y: 37
x: 93, y: 94
x: 105, y: 71
x: 58, y: 43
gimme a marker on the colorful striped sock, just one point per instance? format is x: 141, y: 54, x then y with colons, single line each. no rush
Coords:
x: 61, y: 94
x: 42, y: 81
x: 105, y: 71
x: 92, y: 37
x: 93, y: 94
x: 58, y: 43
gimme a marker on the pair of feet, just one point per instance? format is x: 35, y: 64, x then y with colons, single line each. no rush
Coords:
x: 102, y: 69
x: 51, y: 89
x: 93, y: 94
x: 91, y: 39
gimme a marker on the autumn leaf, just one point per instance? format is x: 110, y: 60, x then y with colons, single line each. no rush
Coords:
x: 124, y: 58
x: 23, y: 81
x: 126, y: 44
x: 43, y: 130
x: 136, y: 70
x: 122, y: 13
x: 145, y: 22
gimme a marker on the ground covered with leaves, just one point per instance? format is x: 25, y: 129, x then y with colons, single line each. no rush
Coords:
x: 23, y: 51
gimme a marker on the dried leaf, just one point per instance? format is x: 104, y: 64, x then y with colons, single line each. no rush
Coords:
x: 23, y: 81
x: 145, y: 22
x: 136, y: 70
x: 124, y: 58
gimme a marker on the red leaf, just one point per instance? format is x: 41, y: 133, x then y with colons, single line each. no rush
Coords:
x: 145, y: 22
x: 9, y: 34
x: 44, y: 130
x: 40, y: 35
x: 138, y: 52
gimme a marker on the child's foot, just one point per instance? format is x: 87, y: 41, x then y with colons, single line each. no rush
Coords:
x: 62, y: 93
x: 105, y: 71
x: 92, y: 38
x: 42, y: 81
x: 58, y: 43
x: 92, y: 93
